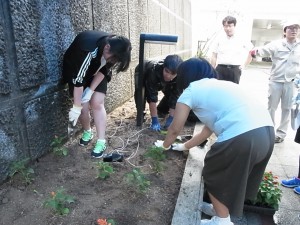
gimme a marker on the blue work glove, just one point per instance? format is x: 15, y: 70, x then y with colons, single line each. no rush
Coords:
x: 155, y: 124
x: 168, y: 122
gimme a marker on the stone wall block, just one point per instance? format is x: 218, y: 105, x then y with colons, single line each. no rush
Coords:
x: 154, y: 12
x: 46, y: 117
x: 138, y: 21
x: 111, y: 16
x: 30, y: 57
x: 10, y: 145
x: 5, y: 86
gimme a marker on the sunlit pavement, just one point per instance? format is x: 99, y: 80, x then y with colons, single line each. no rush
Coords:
x: 285, y: 158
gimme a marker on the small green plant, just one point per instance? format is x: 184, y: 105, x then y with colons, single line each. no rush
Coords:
x: 104, y: 170
x: 20, y: 167
x: 157, y: 155
x: 269, y: 193
x: 58, y: 148
x: 137, y: 178
x: 58, y: 202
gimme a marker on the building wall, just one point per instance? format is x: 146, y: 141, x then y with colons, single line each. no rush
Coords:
x: 34, y: 34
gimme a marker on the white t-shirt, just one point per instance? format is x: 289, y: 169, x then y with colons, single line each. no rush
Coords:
x: 225, y: 108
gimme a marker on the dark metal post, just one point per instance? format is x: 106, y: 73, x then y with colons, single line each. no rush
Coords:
x: 147, y: 38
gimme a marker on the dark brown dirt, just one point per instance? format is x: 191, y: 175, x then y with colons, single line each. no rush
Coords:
x: 94, y: 198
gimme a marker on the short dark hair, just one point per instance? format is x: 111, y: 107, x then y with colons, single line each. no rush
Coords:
x: 121, y: 48
x: 193, y: 69
x: 172, y: 62
x: 229, y: 20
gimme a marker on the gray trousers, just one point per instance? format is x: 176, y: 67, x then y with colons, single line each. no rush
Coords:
x: 281, y: 92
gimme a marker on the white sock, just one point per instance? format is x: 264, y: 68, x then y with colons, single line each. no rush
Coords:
x: 102, y: 140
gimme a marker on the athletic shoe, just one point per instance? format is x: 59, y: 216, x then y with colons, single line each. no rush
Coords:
x: 208, y: 209
x: 217, y: 221
x: 294, y: 182
x: 99, y: 149
x: 278, y: 139
x: 113, y: 157
x: 297, y: 190
x: 86, y: 137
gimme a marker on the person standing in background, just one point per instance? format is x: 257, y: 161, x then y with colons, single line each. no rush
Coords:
x: 285, y: 54
x: 295, y: 181
x: 230, y: 54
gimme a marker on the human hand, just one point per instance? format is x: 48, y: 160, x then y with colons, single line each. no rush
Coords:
x: 179, y: 147
x: 253, y: 53
x: 159, y: 143
x: 74, y: 114
x: 168, y: 122
x: 155, y: 124
x: 86, y: 95
x: 242, y: 67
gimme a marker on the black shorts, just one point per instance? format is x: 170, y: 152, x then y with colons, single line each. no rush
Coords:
x: 102, y: 87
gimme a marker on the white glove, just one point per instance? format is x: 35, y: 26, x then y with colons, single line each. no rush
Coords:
x: 86, y: 95
x: 159, y: 143
x: 179, y: 147
x: 74, y: 114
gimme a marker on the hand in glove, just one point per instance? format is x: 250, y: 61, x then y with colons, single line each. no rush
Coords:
x: 179, y: 147
x: 86, y: 95
x: 168, y: 122
x: 74, y: 114
x: 159, y: 143
x: 155, y: 124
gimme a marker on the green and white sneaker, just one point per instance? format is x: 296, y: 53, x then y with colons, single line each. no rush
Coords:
x: 86, y: 137
x: 99, y: 149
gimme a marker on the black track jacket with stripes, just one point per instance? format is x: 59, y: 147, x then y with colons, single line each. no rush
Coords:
x: 82, y: 58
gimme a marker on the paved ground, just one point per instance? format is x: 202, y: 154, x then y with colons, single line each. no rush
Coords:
x: 285, y: 159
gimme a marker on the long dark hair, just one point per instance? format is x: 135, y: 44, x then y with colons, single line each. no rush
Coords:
x: 120, y: 47
x: 193, y: 69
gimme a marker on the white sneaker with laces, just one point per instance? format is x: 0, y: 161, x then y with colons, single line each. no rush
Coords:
x: 207, y: 209
x: 217, y: 221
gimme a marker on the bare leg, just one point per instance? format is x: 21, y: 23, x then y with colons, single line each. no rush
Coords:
x: 99, y: 114
x: 85, y: 117
x: 221, y: 210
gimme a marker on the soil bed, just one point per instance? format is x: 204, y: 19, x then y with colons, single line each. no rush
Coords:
x: 112, y: 198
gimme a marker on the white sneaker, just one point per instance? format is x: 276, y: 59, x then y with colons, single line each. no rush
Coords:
x: 217, y: 221
x: 207, y: 208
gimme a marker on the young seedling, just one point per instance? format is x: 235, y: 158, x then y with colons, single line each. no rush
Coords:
x: 104, y: 170
x: 58, y: 202
x: 58, y: 148
x: 157, y: 155
x: 20, y: 167
x: 137, y: 178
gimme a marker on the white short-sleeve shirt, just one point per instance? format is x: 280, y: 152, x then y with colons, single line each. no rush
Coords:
x: 232, y: 50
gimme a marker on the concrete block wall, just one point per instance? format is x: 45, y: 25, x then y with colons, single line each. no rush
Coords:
x: 34, y: 34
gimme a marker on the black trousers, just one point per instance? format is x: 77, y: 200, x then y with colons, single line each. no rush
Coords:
x: 229, y: 72
x: 297, y: 137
